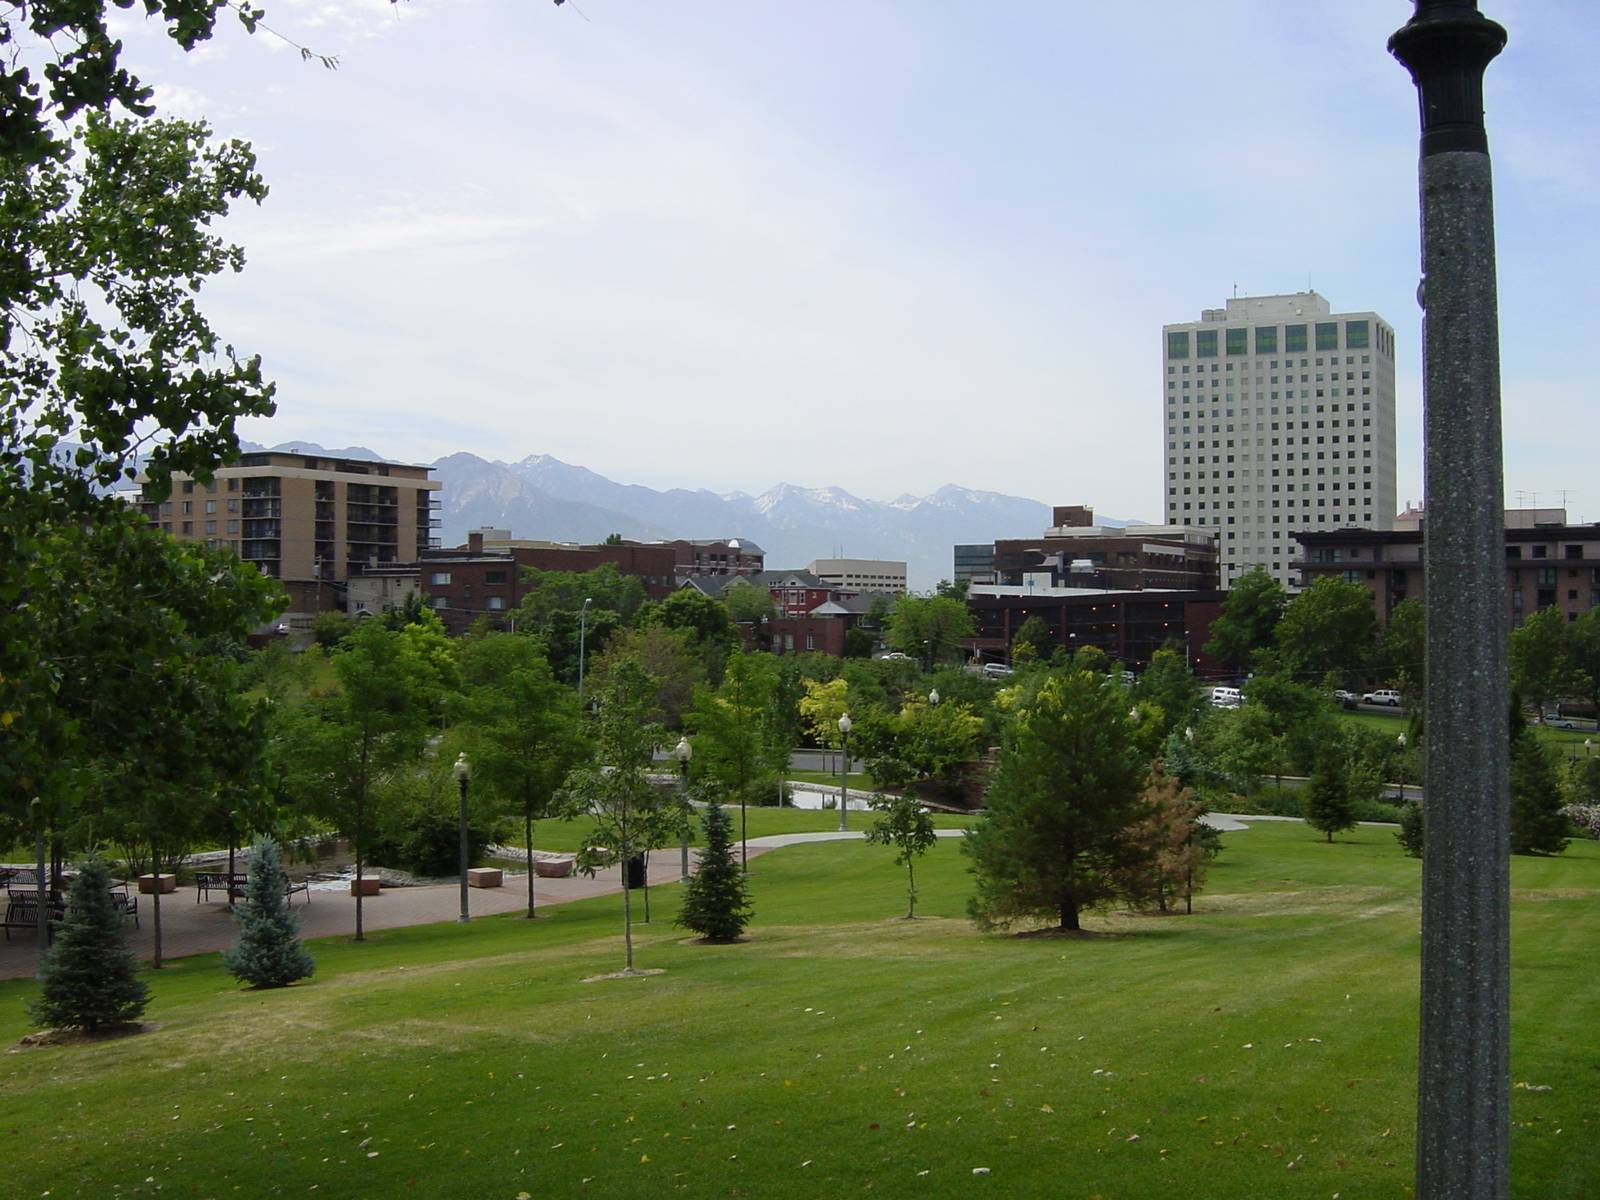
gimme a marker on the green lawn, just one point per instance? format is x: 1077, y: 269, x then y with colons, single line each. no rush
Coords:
x: 838, y: 1052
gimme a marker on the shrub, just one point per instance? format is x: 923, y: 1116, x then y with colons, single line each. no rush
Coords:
x: 269, y: 953
x: 1410, y: 835
x: 716, y: 904
x: 88, y: 976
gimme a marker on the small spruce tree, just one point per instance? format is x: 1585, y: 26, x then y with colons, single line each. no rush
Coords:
x: 716, y: 904
x: 1328, y: 806
x: 1537, y: 826
x: 268, y: 953
x: 1411, y: 828
x: 88, y: 976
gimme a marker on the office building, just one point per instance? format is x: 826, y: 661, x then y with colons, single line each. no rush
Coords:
x: 1278, y: 417
x: 861, y: 574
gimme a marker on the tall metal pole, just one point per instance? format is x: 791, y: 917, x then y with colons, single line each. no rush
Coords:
x: 1464, y: 1054
x: 844, y: 771
x: 462, y: 773
x: 41, y: 893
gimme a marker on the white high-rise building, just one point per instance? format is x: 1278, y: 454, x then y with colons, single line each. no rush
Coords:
x: 1278, y: 417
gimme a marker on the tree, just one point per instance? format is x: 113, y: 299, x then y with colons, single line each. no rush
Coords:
x: 269, y: 953
x: 738, y: 742
x: 929, y: 628
x: 329, y: 629
x: 1537, y: 826
x: 669, y: 656
x: 351, y: 741
x: 1401, y: 647
x: 520, y: 729
x: 1034, y: 635
x: 821, y: 706
x: 858, y: 643
x: 1329, y: 627
x: 88, y: 980
x: 1583, y: 652
x: 1540, y: 667
x: 553, y: 607
x: 1172, y: 846
x: 1064, y: 791
x: 1412, y: 830
x: 1248, y: 619
x: 1168, y: 684
x: 705, y: 620
x: 716, y: 904
x: 905, y: 825
x: 921, y: 743
x: 615, y: 788
x: 1330, y: 802
x: 749, y: 605
x: 1247, y: 744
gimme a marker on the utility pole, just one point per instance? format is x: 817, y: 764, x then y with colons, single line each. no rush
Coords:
x: 1463, y: 1076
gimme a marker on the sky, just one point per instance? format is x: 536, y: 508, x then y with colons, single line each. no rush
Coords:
x: 883, y: 246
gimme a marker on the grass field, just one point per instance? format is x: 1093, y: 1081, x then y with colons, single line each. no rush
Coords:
x: 1263, y: 1047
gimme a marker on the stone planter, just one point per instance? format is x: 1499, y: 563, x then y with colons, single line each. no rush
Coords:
x: 367, y: 886
x: 552, y: 868
x: 484, y: 877
x: 149, y: 885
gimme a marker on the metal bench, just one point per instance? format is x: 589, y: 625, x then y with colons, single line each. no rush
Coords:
x: 231, y: 886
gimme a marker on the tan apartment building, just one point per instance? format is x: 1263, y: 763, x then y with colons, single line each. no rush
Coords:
x: 308, y: 520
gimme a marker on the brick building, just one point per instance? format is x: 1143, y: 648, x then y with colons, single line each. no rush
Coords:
x: 1076, y: 553
x: 1548, y: 562
x: 1129, y: 626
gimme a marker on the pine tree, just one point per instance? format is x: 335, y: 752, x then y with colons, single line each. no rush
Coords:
x: 89, y: 979
x: 268, y: 953
x: 1328, y: 803
x: 716, y: 904
x: 1537, y: 826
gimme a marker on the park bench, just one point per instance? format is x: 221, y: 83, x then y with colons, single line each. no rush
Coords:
x: 22, y: 911
x: 206, y: 882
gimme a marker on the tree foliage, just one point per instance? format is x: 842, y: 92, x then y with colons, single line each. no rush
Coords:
x: 1171, y: 845
x: 520, y: 729
x: 906, y: 826
x: 1330, y: 628
x: 739, y: 740
x: 89, y: 978
x: 929, y: 628
x: 716, y: 904
x: 1248, y: 619
x: 1537, y: 826
x: 269, y: 953
x: 1065, y: 789
x: 1541, y: 669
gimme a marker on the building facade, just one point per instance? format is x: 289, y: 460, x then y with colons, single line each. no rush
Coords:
x: 861, y: 574
x: 1549, y: 564
x: 1128, y: 626
x: 1278, y: 417
x: 1077, y: 553
x: 308, y: 520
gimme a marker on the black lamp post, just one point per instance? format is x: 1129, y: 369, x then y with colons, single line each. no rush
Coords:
x: 1463, y: 1071
x: 844, y: 771
x: 463, y: 772
x: 684, y: 752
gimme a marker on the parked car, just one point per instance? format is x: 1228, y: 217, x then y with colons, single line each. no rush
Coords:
x: 1557, y: 721
x: 997, y: 670
x: 895, y: 656
x: 1382, y: 696
x: 1226, y: 697
x: 1345, y: 699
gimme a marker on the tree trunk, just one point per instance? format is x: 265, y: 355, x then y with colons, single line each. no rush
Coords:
x: 911, y: 890
x: 527, y: 840
x: 627, y: 918
x: 155, y: 902
x: 1069, y: 915
x: 360, y: 815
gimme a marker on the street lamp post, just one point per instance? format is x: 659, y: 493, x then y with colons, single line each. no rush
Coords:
x: 463, y: 772
x: 844, y: 770
x: 683, y: 753
x: 41, y: 894
x: 933, y: 698
x: 233, y: 844
x: 1463, y: 1067
x: 583, y: 629
x: 1400, y: 741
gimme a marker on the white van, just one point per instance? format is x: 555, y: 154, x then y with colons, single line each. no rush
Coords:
x: 1225, y: 697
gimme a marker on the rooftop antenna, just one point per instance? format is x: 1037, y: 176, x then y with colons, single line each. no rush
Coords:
x: 1523, y: 498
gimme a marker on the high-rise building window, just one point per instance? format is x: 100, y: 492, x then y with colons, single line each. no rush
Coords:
x: 1205, y: 343
x: 1237, y: 342
x: 1294, y: 338
x: 1327, y: 335
x: 1267, y: 340
x: 1178, y: 345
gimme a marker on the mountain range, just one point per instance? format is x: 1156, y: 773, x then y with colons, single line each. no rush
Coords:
x: 543, y: 497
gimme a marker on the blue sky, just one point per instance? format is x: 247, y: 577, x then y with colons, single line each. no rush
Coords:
x: 884, y: 246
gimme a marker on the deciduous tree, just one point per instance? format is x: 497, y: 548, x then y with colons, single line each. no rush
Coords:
x: 1328, y: 628
x: 929, y: 628
x: 905, y: 825
x: 1248, y: 619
